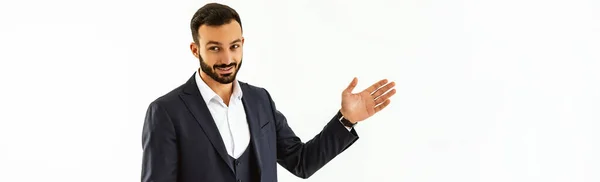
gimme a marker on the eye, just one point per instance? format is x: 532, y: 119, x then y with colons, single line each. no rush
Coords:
x: 235, y: 46
x: 214, y: 49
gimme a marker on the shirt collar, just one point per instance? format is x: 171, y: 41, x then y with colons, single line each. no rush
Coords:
x: 208, y: 94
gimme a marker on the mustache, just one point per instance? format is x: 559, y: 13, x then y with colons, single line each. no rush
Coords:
x: 224, y: 65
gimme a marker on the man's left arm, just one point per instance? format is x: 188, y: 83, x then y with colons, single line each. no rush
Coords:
x: 304, y: 159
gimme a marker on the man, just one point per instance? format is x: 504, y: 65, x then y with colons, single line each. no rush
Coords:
x: 215, y: 128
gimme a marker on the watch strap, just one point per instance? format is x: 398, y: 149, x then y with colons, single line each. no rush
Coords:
x: 345, y: 121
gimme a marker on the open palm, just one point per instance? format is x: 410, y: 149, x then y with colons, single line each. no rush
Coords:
x: 357, y: 107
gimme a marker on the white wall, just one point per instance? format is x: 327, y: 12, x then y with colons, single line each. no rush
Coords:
x: 487, y: 90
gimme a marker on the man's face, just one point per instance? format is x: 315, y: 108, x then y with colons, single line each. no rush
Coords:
x: 220, y: 51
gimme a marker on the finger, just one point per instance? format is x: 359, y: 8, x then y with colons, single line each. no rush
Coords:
x: 352, y: 85
x: 382, y: 105
x: 383, y: 89
x: 375, y: 86
x: 385, y: 96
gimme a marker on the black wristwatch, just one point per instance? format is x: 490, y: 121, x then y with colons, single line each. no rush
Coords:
x: 344, y: 120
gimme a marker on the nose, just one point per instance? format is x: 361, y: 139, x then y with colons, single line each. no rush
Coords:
x: 227, y: 58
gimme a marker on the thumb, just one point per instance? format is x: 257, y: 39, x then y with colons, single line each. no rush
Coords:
x: 351, y: 86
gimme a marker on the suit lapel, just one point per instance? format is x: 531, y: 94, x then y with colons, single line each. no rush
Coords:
x: 253, y: 122
x: 194, y: 102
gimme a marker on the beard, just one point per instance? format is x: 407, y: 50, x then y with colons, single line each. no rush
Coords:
x: 221, y: 78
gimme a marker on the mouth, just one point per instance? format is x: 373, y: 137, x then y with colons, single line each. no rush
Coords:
x: 225, y: 70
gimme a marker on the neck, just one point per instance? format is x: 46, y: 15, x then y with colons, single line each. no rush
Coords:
x: 223, y: 90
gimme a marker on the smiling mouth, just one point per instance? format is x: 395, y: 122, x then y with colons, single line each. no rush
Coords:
x: 226, y: 68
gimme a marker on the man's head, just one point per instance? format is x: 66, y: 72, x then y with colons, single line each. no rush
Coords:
x: 218, y: 41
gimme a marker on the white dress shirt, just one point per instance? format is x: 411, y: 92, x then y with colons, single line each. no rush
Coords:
x: 231, y: 121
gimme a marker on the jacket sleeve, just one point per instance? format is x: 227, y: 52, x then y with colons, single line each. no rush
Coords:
x: 304, y: 159
x: 159, y: 160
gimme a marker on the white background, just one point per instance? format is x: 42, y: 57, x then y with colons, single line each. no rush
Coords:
x: 489, y: 91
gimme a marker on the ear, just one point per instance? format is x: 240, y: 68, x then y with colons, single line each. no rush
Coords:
x: 243, y: 40
x: 194, y: 48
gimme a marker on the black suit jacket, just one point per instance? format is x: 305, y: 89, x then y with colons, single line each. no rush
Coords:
x: 181, y: 142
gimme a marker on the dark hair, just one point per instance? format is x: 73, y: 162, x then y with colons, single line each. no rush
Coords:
x: 212, y: 14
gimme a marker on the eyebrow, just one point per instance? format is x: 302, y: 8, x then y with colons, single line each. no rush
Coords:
x: 218, y: 43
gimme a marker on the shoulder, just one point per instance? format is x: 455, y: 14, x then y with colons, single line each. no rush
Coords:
x: 255, y: 91
x: 251, y: 87
x: 168, y: 99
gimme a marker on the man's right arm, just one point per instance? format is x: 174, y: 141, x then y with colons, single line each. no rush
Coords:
x: 159, y: 161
